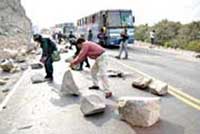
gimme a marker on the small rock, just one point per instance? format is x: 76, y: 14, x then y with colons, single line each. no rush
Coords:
x: 7, y: 65
x: 139, y: 111
x: 25, y: 127
x: 63, y: 50
x: 158, y: 87
x: 20, y: 59
x: 2, y: 82
x: 69, y: 59
x: 24, y: 67
x: 141, y: 82
x: 197, y: 56
x: 92, y: 104
x: 36, y: 66
x: 69, y: 86
x: 5, y: 90
x: 15, y: 69
x: 37, y: 78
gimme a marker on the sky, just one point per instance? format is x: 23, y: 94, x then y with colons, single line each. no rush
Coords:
x: 46, y: 13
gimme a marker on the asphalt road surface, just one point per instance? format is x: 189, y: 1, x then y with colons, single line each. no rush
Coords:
x: 38, y: 109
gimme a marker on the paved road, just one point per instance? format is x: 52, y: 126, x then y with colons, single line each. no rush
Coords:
x: 172, y: 68
x: 37, y: 109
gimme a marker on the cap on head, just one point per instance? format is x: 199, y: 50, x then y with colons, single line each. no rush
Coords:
x: 37, y: 37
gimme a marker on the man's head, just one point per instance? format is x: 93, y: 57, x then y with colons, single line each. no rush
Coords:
x: 80, y: 42
x: 37, y: 38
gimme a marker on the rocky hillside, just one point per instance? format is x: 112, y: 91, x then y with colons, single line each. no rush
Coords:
x: 15, y: 27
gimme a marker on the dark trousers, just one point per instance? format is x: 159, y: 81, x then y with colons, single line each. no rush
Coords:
x: 87, y: 63
x: 152, y: 41
x: 86, y: 60
x: 49, y: 67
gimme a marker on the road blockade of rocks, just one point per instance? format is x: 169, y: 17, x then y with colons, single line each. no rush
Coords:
x: 141, y: 82
x: 154, y: 86
x: 158, y: 88
x: 139, y: 111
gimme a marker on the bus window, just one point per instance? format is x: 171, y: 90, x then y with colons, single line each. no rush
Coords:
x: 93, y: 19
x: 114, y: 18
x: 104, y: 20
x: 126, y: 18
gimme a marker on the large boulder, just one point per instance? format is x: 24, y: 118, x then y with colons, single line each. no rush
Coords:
x: 158, y: 87
x: 139, y: 111
x: 69, y: 86
x: 141, y: 82
x: 92, y: 103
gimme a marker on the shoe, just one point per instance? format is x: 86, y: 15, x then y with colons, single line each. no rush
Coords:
x: 108, y: 94
x: 46, y: 77
x: 117, y: 57
x: 88, y: 66
x: 49, y: 79
x: 94, y: 87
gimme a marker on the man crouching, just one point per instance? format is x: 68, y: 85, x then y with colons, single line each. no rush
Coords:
x: 96, y: 52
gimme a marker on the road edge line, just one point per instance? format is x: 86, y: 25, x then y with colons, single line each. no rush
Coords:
x: 172, y: 88
x: 10, y: 94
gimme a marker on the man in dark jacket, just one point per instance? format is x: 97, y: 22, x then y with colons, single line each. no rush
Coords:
x: 48, y: 47
x: 72, y: 39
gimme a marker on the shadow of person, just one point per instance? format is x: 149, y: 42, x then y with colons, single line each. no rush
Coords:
x: 161, y: 127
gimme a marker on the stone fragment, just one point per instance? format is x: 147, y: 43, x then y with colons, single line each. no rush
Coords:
x: 7, y: 65
x: 141, y: 82
x: 36, y: 66
x: 20, y: 59
x: 2, y: 82
x: 92, y: 103
x: 158, y: 87
x: 37, y: 78
x: 69, y: 59
x: 197, y: 56
x: 139, y: 111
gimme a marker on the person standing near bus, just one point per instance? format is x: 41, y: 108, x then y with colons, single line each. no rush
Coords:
x: 152, y: 37
x: 96, y: 52
x: 72, y: 39
x: 90, y: 35
x: 123, y: 44
x: 102, y: 37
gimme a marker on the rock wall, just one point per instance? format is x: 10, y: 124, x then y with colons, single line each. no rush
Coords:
x: 15, y: 26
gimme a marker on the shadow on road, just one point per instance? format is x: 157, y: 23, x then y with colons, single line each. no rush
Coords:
x: 162, y: 127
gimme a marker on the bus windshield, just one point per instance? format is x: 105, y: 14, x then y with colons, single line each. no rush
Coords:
x: 120, y: 18
x: 126, y: 18
x: 114, y: 19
